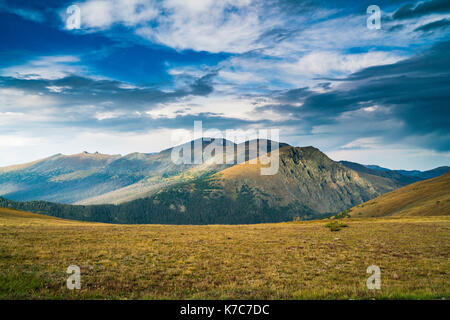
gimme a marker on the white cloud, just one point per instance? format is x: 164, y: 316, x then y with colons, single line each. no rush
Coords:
x: 45, y: 67
x: 107, y: 115
x: 102, y: 14
x: 57, y: 89
x: 214, y: 26
x: 207, y: 25
x: 367, y: 143
x: 223, y: 105
x: 12, y: 100
x: 333, y: 63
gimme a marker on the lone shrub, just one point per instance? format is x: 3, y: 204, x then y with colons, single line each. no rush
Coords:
x: 335, y: 225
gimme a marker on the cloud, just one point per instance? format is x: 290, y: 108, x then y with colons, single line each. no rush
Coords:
x: 46, y: 67
x: 83, y: 104
x: 22, y: 11
x: 310, y: 68
x: 84, y: 90
x: 407, y: 100
x: 102, y: 14
x: 32, y: 15
x: 363, y: 143
x: 409, y: 11
x: 439, y: 24
x: 213, y: 26
x: 332, y: 63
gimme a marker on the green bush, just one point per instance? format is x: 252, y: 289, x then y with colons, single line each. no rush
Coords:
x: 335, y: 225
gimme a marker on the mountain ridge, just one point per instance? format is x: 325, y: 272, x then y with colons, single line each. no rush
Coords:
x: 151, y: 188
x: 91, y: 178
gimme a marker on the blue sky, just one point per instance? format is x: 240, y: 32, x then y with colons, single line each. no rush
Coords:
x: 137, y: 73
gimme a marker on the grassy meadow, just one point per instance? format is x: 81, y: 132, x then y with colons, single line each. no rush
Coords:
x: 297, y: 260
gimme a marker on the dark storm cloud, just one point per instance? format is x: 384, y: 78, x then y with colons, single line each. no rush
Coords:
x: 75, y: 90
x: 424, y: 8
x: 203, y: 86
x: 440, y: 24
x: 294, y: 95
x: 414, y: 92
x: 396, y: 27
x: 324, y: 85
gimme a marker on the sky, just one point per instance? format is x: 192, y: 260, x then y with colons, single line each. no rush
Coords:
x: 136, y: 74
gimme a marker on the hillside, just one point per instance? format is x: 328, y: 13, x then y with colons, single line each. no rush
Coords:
x: 62, y: 178
x: 306, y: 177
x: 301, y: 260
x: 425, y: 198
x: 7, y: 214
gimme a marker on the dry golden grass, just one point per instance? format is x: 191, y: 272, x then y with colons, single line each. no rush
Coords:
x: 269, y: 261
x: 425, y: 198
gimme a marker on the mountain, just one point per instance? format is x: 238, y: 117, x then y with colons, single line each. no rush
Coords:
x: 306, y: 176
x: 93, y: 178
x: 425, y: 174
x: 382, y: 175
x: 425, y: 198
x: 412, y: 174
x: 308, y: 184
x: 375, y: 167
x: 60, y: 178
x: 153, y: 188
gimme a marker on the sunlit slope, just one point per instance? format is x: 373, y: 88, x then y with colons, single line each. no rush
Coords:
x: 17, y: 217
x: 173, y: 174
x: 306, y: 178
x: 425, y: 198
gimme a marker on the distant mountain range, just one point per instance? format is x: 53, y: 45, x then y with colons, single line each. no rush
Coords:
x: 415, y: 174
x: 402, y: 177
x: 151, y: 188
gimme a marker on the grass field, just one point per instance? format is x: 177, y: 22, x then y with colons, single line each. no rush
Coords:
x: 301, y: 260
